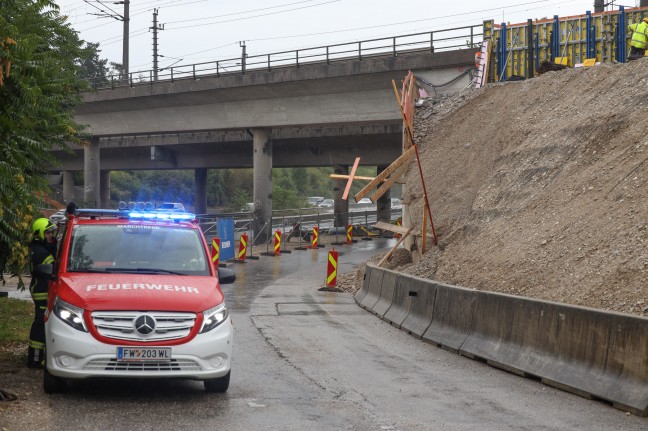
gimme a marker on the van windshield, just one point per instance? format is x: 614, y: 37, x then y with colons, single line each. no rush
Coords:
x: 137, y: 248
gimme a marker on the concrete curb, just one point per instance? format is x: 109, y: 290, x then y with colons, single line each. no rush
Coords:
x: 592, y: 353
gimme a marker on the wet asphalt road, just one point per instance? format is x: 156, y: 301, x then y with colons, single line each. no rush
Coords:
x: 310, y: 360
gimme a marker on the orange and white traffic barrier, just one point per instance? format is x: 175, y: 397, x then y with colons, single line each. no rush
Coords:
x: 315, y: 238
x: 242, y: 252
x: 215, y: 252
x: 277, y: 242
x: 349, y: 234
x: 331, y: 271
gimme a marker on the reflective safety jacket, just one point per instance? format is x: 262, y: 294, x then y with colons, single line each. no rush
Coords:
x: 639, y: 35
x: 41, y: 253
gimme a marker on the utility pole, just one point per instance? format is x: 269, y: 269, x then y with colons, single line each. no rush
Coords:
x: 599, y: 6
x: 106, y: 12
x: 126, y: 18
x: 155, y: 29
x: 243, y: 56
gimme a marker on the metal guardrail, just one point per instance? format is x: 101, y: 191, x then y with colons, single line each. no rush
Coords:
x: 281, y: 220
x: 432, y: 41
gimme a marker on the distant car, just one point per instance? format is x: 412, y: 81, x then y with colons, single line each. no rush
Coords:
x: 172, y: 206
x: 326, y: 203
x: 365, y: 201
x: 396, y: 203
x: 248, y: 207
x: 314, y: 200
x: 57, y: 216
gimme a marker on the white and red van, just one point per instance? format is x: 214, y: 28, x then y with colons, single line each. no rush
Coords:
x: 134, y: 294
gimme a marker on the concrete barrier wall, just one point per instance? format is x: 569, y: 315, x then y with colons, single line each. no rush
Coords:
x: 360, y: 294
x: 592, y: 353
x: 453, y: 314
x: 401, y: 302
x: 386, y: 293
x: 372, y: 286
x: 422, y: 294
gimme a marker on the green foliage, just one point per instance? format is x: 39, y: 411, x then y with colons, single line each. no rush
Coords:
x: 40, y: 52
x: 157, y: 187
x: 238, y: 201
x: 17, y: 316
x: 286, y: 198
x: 91, y: 67
x: 227, y: 189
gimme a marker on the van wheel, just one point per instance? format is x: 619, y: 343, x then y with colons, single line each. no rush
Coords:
x: 53, y: 384
x: 219, y: 385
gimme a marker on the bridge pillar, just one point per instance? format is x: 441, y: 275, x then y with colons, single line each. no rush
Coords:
x: 68, y: 186
x: 340, y: 206
x: 200, y: 179
x: 383, y: 204
x: 104, y: 186
x: 262, y: 179
x: 91, y: 173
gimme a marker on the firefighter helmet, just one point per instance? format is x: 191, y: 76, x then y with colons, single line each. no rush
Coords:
x: 41, y: 226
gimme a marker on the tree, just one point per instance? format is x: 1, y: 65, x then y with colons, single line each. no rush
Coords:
x: 40, y: 86
x: 91, y: 67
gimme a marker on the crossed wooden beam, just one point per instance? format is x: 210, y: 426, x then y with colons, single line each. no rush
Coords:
x: 388, y: 177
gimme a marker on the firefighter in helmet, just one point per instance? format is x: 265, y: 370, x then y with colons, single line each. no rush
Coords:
x: 42, y: 250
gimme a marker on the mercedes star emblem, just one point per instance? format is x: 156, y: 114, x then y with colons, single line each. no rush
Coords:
x: 145, y: 324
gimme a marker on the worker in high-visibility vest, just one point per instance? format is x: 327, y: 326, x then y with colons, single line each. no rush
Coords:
x: 639, y: 41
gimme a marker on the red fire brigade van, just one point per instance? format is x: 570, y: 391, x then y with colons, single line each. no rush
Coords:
x: 134, y: 294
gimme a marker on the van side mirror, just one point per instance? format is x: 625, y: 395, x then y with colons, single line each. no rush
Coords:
x: 226, y: 276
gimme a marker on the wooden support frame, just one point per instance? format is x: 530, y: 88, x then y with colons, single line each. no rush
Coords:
x: 350, y: 180
x: 404, y: 158
x: 359, y: 178
x: 389, y: 182
x: 405, y: 232
x: 418, y: 159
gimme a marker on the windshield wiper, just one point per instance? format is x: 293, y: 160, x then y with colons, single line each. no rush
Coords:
x: 144, y: 270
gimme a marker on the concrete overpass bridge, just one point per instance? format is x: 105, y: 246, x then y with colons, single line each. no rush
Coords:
x: 311, y: 110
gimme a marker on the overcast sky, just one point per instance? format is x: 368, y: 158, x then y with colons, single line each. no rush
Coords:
x: 203, y: 30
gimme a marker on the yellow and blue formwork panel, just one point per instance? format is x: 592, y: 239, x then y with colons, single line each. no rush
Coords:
x: 519, y: 49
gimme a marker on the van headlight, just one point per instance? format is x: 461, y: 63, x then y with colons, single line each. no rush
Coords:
x: 213, y: 317
x: 70, y: 314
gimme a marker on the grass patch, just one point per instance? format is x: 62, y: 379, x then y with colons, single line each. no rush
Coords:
x: 16, y: 317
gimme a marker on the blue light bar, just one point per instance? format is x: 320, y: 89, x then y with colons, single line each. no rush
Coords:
x: 161, y: 215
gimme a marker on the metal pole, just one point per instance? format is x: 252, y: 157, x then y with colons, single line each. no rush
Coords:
x: 243, y: 56
x: 155, y: 29
x: 126, y: 37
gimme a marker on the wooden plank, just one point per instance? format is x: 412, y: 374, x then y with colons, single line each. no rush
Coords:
x: 355, y: 177
x: 350, y: 181
x: 408, y: 140
x: 389, y: 182
x: 358, y: 178
x: 388, y: 255
x: 404, y: 158
x: 392, y: 227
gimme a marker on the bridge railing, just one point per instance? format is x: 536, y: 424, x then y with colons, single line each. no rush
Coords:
x: 432, y: 41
